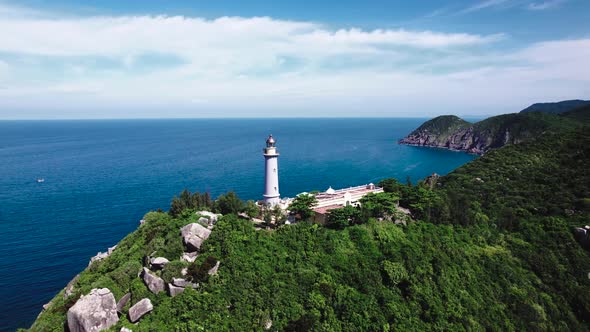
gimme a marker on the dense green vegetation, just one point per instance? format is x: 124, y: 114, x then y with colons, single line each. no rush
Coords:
x: 520, y: 126
x: 579, y: 114
x: 492, y: 249
x: 443, y: 126
x: 302, y: 206
x: 556, y: 108
x: 453, y: 133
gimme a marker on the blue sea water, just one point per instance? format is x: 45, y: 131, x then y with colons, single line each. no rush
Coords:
x: 102, y: 176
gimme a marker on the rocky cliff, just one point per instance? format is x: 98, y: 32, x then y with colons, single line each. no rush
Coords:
x: 454, y: 133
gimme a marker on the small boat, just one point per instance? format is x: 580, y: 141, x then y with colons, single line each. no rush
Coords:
x: 41, y: 180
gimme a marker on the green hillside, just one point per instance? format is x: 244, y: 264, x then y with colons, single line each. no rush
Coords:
x: 453, y: 133
x: 578, y: 114
x: 491, y: 249
x: 515, y: 128
x: 444, y: 125
x: 557, y: 107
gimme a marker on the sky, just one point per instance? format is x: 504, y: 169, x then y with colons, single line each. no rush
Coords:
x: 100, y: 59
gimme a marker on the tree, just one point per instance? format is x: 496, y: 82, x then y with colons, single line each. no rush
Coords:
x: 378, y: 205
x: 278, y: 215
x: 343, y: 217
x: 391, y: 185
x: 267, y: 215
x: 187, y: 200
x: 302, y: 205
x: 423, y: 200
x: 251, y: 209
x: 229, y: 203
x: 396, y: 272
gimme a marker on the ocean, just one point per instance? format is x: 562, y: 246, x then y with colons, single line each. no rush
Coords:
x: 102, y: 176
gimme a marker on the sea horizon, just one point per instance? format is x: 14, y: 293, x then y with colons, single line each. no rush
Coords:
x: 472, y: 117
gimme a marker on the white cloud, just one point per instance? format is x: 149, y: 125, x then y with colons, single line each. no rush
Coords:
x: 189, y: 37
x: 506, y: 4
x: 545, y: 4
x: 117, y: 66
x: 487, y: 4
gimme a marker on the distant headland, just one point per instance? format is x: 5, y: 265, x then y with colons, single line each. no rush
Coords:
x: 453, y: 133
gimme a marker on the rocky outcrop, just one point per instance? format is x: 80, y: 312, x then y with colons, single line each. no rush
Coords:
x: 582, y: 235
x: 432, y: 180
x: 213, y: 270
x: 463, y: 139
x: 456, y: 134
x: 102, y: 255
x: 178, y: 286
x: 189, y: 257
x: 69, y: 290
x: 140, y: 309
x: 123, y: 302
x: 94, y: 312
x: 194, y: 235
x: 179, y: 282
x: 153, y: 282
x: 210, y: 216
x: 174, y: 290
x: 158, y: 263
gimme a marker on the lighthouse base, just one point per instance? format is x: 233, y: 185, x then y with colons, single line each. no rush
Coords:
x: 272, y: 201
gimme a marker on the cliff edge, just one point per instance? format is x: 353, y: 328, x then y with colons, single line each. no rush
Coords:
x: 453, y: 133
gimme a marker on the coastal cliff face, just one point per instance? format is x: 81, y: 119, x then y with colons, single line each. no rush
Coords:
x: 453, y: 133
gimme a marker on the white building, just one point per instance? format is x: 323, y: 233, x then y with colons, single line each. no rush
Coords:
x: 333, y: 199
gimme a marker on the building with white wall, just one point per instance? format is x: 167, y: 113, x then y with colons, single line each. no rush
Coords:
x: 271, y: 173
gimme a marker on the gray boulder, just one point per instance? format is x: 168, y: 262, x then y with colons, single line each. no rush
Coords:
x: 212, y: 217
x: 94, y: 312
x: 175, y: 290
x: 189, y: 256
x: 123, y: 302
x: 193, y: 243
x: 69, y: 290
x: 139, y: 310
x: 98, y: 257
x: 179, y: 282
x: 268, y: 324
x: 154, y: 283
x: 159, y: 262
x: 193, y: 236
x: 213, y: 270
x: 124, y: 329
x: 582, y: 235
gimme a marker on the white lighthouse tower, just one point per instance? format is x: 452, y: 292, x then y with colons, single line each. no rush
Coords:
x: 271, y: 173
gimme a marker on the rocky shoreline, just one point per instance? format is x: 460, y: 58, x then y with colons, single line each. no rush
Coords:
x: 453, y: 133
x: 461, y: 141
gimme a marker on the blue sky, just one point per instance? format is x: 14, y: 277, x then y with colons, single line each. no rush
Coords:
x: 153, y: 59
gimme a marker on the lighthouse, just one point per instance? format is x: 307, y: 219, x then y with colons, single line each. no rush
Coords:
x: 271, y: 173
